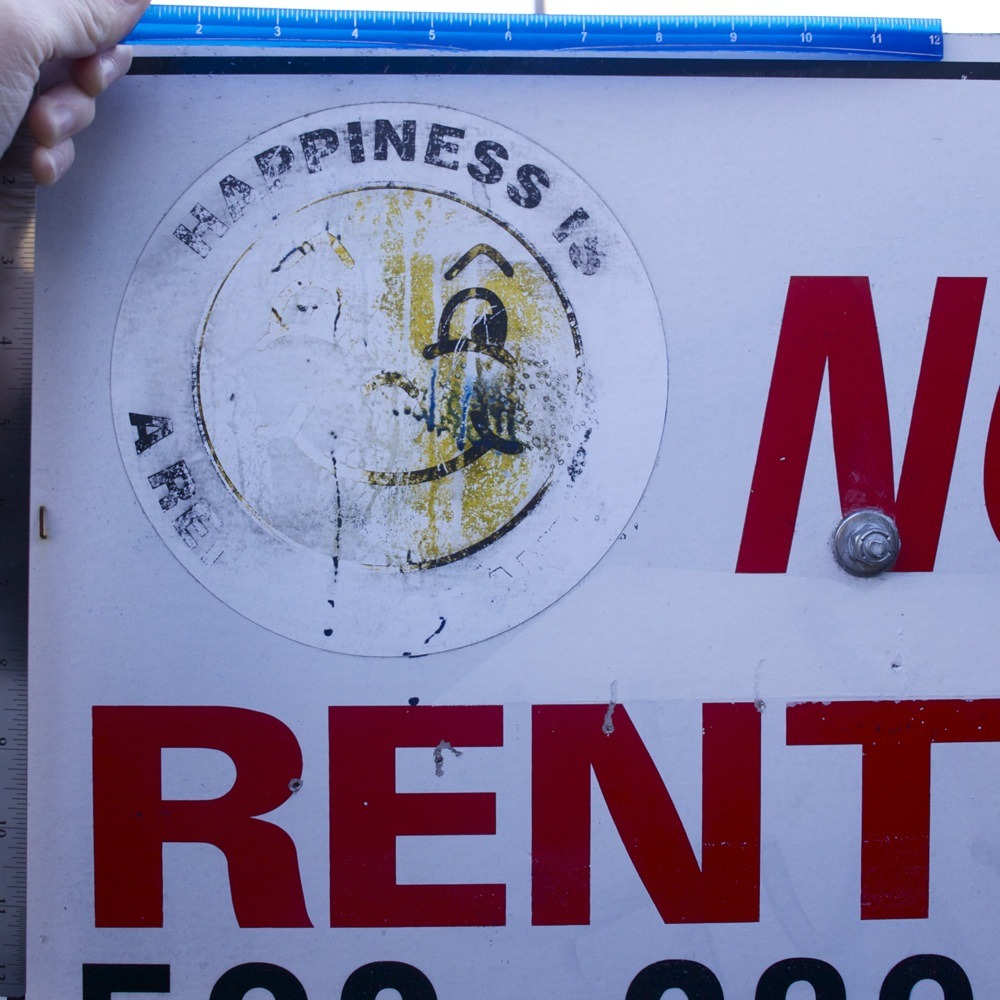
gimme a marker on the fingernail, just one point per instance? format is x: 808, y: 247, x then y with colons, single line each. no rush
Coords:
x: 62, y: 122
x: 48, y: 165
x: 115, y: 64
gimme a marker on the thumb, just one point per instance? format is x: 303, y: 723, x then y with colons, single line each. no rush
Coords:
x: 72, y: 29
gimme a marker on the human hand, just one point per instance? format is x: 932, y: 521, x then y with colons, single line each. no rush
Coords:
x: 34, y: 32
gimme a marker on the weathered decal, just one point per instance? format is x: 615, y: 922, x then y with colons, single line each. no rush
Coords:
x: 384, y: 391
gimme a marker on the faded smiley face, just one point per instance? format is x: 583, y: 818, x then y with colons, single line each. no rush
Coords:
x: 390, y: 376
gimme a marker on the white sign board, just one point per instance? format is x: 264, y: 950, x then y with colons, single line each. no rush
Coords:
x: 396, y: 629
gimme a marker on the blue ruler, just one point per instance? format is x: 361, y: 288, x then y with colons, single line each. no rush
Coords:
x: 186, y: 24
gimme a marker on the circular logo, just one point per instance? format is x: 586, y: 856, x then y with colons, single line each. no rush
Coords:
x: 389, y: 379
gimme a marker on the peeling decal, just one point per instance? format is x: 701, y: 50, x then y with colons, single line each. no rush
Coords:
x: 390, y: 391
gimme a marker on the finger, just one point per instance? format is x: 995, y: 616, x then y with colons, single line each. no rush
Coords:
x: 79, y: 28
x: 60, y: 113
x: 49, y: 164
x: 115, y: 19
x: 95, y: 74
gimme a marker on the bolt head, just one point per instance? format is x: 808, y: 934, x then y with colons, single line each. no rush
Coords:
x: 866, y: 543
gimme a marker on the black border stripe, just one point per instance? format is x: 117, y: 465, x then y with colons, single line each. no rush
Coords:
x: 463, y: 65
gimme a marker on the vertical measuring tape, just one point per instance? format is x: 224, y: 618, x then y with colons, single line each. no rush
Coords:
x: 17, y: 259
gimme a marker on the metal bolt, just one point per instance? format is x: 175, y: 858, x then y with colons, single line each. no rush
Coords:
x: 866, y: 543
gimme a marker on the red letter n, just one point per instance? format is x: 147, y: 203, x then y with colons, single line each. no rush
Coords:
x: 367, y: 814
x: 132, y: 822
x: 895, y: 739
x: 568, y: 740
x: 830, y: 323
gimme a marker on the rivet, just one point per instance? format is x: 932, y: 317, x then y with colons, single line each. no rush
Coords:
x: 866, y: 543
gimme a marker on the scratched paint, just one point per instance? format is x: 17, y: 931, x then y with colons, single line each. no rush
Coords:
x: 409, y: 400
x: 397, y: 394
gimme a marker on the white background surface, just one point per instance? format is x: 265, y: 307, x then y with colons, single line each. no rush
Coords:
x: 957, y: 15
x: 732, y: 186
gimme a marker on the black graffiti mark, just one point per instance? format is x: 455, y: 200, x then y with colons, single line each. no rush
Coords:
x: 413, y: 702
x: 414, y: 656
x: 393, y: 379
x: 332, y: 603
x: 493, y: 441
x: 488, y: 441
x: 303, y: 249
x: 437, y: 631
x: 339, y: 524
x: 480, y: 249
x: 487, y: 336
x: 488, y: 333
x: 579, y: 462
x: 328, y: 632
x: 500, y: 569
x: 483, y: 542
